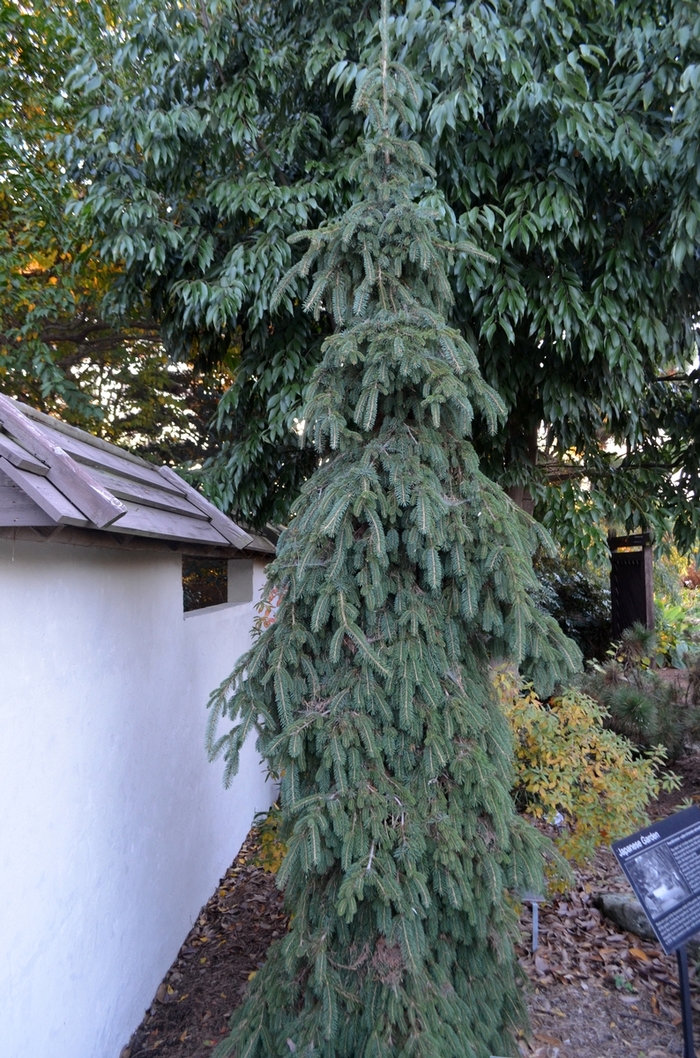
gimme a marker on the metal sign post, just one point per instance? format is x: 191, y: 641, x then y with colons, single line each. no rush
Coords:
x: 535, y: 899
x: 535, y: 926
x: 686, y: 1010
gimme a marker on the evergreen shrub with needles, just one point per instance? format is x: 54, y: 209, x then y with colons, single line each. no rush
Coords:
x: 403, y: 570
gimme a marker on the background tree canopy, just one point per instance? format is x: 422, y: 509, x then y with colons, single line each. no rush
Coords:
x: 59, y: 349
x: 196, y: 137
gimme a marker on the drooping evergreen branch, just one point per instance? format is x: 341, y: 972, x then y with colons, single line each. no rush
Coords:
x: 403, y: 571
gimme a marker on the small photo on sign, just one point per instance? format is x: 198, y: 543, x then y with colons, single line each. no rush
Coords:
x: 659, y: 879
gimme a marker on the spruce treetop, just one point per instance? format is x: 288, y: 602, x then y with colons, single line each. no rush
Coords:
x: 382, y: 268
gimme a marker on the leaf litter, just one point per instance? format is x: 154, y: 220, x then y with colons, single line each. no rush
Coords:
x: 593, y: 991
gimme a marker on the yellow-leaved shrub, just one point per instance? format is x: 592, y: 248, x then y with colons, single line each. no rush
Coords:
x: 568, y: 764
x: 271, y: 849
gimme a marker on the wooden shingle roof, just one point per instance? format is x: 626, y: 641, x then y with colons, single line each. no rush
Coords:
x: 52, y: 474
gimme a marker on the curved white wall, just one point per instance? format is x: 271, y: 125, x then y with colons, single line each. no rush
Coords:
x: 114, y: 828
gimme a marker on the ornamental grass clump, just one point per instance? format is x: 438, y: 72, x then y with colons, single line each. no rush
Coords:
x: 402, y: 568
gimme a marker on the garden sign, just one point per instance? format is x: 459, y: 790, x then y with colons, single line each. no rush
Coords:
x: 662, y: 863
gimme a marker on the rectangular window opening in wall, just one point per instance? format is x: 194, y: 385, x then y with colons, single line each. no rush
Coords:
x: 210, y: 582
x: 204, y: 582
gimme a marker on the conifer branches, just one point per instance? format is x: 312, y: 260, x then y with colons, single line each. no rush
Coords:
x: 402, y: 570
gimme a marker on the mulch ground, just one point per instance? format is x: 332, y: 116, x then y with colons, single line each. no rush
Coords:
x: 227, y: 944
x: 594, y: 992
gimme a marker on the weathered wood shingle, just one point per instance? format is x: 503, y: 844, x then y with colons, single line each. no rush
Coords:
x: 54, y: 474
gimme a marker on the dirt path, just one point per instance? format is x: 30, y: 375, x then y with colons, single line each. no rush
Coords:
x: 594, y: 992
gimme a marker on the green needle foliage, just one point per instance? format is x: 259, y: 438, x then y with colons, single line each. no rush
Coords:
x: 199, y: 135
x: 402, y: 571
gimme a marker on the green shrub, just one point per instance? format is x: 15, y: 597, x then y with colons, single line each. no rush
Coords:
x: 634, y: 713
x: 640, y: 704
x: 579, y: 601
x: 673, y: 635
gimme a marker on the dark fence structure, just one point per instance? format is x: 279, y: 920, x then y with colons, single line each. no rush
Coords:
x: 631, y: 581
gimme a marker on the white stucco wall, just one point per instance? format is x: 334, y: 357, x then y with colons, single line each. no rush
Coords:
x: 114, y: 828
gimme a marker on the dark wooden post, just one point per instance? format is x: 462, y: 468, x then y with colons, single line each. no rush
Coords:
x: 631, y: 581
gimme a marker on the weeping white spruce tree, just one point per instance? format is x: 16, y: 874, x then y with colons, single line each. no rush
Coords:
x: 402, y: 570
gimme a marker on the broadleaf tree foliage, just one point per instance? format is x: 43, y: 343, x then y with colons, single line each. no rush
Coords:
x: 564, y: 138
x: 402, y: 571
x: 60, y: 350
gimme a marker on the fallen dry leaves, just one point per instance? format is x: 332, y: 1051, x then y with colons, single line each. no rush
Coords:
x: 593, y: 992
x: 190, y: 1011
x: 597, y: 992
